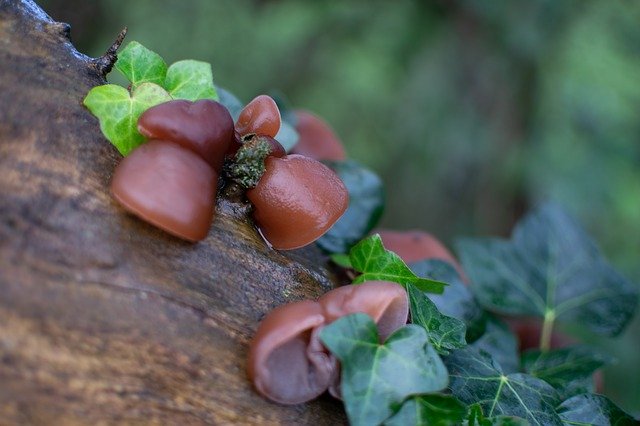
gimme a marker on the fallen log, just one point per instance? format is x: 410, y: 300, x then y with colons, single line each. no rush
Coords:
x: 103, y: 318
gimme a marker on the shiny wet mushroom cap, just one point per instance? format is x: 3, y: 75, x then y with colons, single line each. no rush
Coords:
x: 384, y: 301
x: 168, y: 186
x: 287, y: 362
x: 204, y: 127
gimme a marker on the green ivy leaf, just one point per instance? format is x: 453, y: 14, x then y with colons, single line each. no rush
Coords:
x: 377, y: 378
x: 376, y: 263
x: 475, y: 377
x: 445, y: 333
x: 366, y: 203
x: 552, y: 269
x: 457, y: 301
x: 590, y: 409
x: 141, y: 65
x: 118, y: 111
x: 476, y: 418
x: 569, y: 370
x: 190, y: 80
x: 499, y: 342
x: 431, y: 410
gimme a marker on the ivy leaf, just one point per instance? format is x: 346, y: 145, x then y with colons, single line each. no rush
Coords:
x: 141, y: 65
x: 118, y: 111
x: 499, y: 342
x: 590, y: 409
x: 445, y: 333
x: 552, y: 269
x: 190, y: 80
x: 475, y: 377
x: 366, y: 203
x: 476, y: 418
x: 376, y: 263
x: 432, y: 410
x: 377, y: 378
x: 569, y: 370
x: 457, y: 301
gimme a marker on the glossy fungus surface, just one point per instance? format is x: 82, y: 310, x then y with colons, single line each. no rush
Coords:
x: 296, y: 201
x: 316, y: 139
x: 260, y: 116
x: 204, y: 127
x: 384, y: 301
x: 168, y: 186
x: 287, y: 362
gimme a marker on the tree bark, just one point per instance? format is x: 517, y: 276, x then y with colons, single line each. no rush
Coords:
x: 103, y: 318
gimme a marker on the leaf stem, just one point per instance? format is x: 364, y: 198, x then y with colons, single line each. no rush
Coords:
x: 547, y: 329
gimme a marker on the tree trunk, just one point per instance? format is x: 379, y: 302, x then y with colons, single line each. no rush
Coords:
x: 103, y: 318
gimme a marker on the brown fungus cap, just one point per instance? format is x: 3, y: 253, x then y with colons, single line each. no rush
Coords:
x: 297, y: 200
x: 168, y: 186
x: 205, y: 127
x: 384, y: 301
x: 287, y: 363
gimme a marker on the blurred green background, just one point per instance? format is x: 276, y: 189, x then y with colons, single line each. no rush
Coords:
x: 472, y: 111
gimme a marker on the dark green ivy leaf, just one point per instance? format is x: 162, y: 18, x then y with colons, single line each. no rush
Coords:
x: 475, y: 377
x: 445, y: 333
x: 477, y: 418
x: 429, y: 410
x: 366, y: 202
x: 591, y: 409
x: 457, y: 301
x: 552, y: 269
x: 374, y: 262
x: 569, y: 370
x: 377, y: 378
x: 500, y: 343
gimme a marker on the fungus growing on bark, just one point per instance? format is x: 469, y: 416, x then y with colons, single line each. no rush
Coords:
x: 168, y: 186
x: 287, y: 362
x: 205, y: 127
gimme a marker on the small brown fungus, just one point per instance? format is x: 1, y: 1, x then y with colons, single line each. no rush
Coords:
x: 204, y: 127
x: 169, y: 187
x: 287, y: 362
x: 384, y: 301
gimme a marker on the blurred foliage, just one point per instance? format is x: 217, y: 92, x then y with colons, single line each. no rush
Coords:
x: 472, y: 111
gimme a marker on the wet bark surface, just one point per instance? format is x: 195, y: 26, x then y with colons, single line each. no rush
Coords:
x: 104, y: 318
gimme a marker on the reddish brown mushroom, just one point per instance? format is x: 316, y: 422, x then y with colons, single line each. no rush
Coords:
x: 297, y: 200
x: 205, y: 127
x: 316, y: 139
x: 260, y: 116
x: 384, y: 301
x: 168, y: 186
x: 287, y: 363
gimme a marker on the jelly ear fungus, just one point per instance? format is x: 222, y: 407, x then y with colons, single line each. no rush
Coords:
x: 171, y: 181
x: 169, y: 187
x: 287, y: 363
